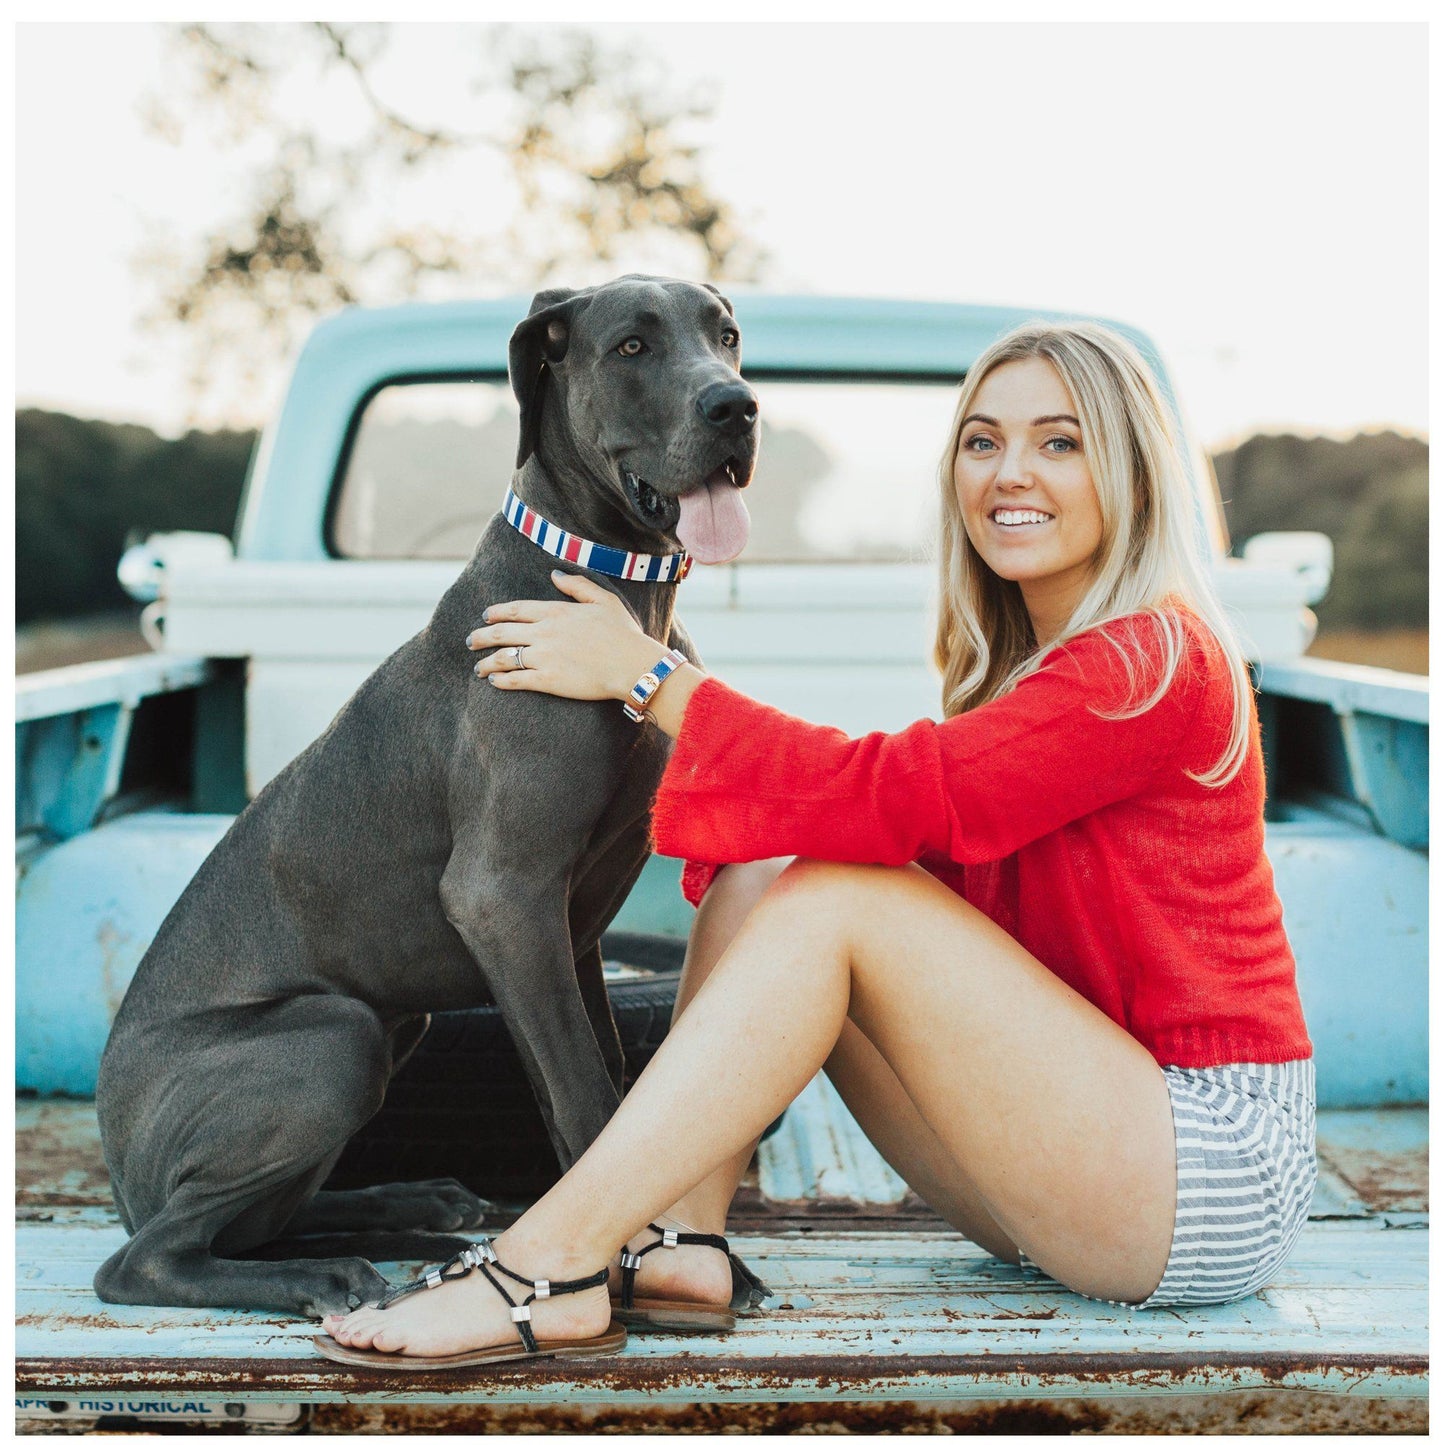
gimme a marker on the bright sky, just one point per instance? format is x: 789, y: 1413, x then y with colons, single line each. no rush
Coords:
x: 1251, y: 195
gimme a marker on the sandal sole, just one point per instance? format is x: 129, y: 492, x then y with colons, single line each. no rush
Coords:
x: 609, y: 1342
x: 681, y: 1316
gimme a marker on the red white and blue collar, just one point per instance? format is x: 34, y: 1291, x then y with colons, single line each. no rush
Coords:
x: 631, y: 566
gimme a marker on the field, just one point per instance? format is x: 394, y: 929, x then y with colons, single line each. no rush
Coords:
x: 1405, y: 649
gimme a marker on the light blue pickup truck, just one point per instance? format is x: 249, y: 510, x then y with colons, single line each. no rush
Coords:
x: 392, y: 448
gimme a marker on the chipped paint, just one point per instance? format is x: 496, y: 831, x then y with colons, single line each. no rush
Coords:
x: 117, y: 963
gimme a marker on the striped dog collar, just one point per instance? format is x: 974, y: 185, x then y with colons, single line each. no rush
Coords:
x: 632, y: 566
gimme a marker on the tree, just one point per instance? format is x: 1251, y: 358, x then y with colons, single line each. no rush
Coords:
x: 1368, y: 493
x: 84, y: 488
x: 595, y: 165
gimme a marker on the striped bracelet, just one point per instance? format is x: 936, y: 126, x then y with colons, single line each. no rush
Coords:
x: 645, y: 688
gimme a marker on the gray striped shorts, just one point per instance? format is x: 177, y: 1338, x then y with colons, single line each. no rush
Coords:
x: 1244, y: 1159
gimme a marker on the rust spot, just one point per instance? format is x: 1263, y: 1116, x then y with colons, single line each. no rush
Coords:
x: 1397, y: 1179
x: 58, y: 1159
x: 772, y: 1418
x: 1253, y: 1411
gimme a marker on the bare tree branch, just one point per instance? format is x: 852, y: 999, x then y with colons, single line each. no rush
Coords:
x: 604, y: 163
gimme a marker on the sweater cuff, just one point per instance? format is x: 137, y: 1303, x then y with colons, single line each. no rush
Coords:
x: 669, y: 805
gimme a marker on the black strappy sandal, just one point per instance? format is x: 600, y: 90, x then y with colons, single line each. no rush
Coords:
x: 483, y: 1257
x: 642, y: 1312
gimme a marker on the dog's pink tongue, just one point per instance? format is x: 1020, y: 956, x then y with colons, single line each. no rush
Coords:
x: 714, y: 522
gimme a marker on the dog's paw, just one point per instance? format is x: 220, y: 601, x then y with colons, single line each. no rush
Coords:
x: 436, y: 1205
x: 342, y: 1285
x: 455, y: 1205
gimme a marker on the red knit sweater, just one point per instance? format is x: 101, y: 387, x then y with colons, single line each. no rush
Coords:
x: 1083, y: 837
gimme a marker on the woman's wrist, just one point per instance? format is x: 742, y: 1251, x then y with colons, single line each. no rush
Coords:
x: 670, y: 700
x: 637, y: 660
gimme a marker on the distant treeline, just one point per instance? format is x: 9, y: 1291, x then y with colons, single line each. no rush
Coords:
x: 85, y: 488
x: 1368, y: 494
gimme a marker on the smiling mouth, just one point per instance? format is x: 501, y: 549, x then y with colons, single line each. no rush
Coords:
x: 1018, y: 518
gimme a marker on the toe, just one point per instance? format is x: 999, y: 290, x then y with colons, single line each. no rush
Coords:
x: 358, y: 1329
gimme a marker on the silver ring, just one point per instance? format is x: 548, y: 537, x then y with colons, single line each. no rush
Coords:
x: 517, y: 656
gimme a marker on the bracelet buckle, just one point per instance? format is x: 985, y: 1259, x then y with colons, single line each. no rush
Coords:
x: 645, y: 688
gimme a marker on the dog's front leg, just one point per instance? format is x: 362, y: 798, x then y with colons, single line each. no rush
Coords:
x: 593, y: 987
x: 514, y: 923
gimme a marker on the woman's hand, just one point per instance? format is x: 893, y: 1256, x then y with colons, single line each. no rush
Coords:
x: 589, y: 651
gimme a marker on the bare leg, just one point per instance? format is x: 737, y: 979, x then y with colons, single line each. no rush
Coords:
x: 1057, y: 1117
x: 860, y: 1074
x: 698, y: 1273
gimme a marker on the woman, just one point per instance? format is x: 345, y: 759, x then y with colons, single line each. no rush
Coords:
x: 1037, y: 947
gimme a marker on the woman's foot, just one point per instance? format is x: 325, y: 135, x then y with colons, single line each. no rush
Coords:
x: 696, y: 1273
x: 466, y: 1314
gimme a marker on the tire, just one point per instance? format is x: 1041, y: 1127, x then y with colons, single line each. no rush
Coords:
x: 461, y: 1107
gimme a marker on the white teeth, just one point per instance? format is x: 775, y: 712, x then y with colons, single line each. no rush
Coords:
x: 1020, y: 518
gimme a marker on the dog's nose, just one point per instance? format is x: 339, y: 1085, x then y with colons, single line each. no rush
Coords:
x: 728, y: 404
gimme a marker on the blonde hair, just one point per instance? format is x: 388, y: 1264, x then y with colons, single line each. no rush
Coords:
x: 1148, y: 559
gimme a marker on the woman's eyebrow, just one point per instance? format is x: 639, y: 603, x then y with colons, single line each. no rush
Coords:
x: 1037, y: 421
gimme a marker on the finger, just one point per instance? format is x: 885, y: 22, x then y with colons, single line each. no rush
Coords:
x: 503, y: 634
x: 523, y: 611
x: 584, y: 589
x: 504, y: 659
x: 515, y: 679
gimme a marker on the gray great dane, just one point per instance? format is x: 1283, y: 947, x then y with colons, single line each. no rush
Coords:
x: 440, y: 844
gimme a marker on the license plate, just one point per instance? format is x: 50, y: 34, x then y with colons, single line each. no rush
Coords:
x: 230, y: 1412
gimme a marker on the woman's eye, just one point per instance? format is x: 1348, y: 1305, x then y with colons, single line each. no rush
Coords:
x: 631, y: 347
x: 729, y: 338
x: 979, y: 443
x: 1068, y: 444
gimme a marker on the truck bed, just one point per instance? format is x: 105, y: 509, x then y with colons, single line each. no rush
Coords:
x: 885, y: 1320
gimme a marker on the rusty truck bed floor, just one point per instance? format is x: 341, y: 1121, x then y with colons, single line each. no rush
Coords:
x: 877, y: 1303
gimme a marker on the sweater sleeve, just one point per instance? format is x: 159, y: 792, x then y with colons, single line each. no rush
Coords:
x: 746, y: 781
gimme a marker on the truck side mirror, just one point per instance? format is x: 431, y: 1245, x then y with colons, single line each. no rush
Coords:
x: 1310, y: 555
x: 142, y: 569
x: 142, y: 566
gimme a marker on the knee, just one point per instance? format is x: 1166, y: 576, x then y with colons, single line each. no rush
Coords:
x: 742, y: 885
x: 816, y: 899
x: 838, y: 885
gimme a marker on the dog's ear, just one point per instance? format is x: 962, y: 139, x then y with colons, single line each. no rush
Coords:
x: 708, y: 286
x: 540, y: 341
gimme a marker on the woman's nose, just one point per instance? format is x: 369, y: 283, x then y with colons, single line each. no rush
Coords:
x: 1013, y: 468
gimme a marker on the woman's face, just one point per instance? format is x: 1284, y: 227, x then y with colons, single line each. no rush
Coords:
x: 1025, y: 490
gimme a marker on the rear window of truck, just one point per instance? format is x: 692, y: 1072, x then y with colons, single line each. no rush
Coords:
x: 848, y: 469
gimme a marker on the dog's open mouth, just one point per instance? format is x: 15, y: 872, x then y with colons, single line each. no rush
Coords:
x: 650, y: 504
x: 710, y: 518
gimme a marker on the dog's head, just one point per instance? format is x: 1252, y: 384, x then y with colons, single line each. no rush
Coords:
x: 643, y: 374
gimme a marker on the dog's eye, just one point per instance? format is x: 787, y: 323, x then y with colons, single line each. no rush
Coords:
x: 729, y: 338
x: 631, y: 347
